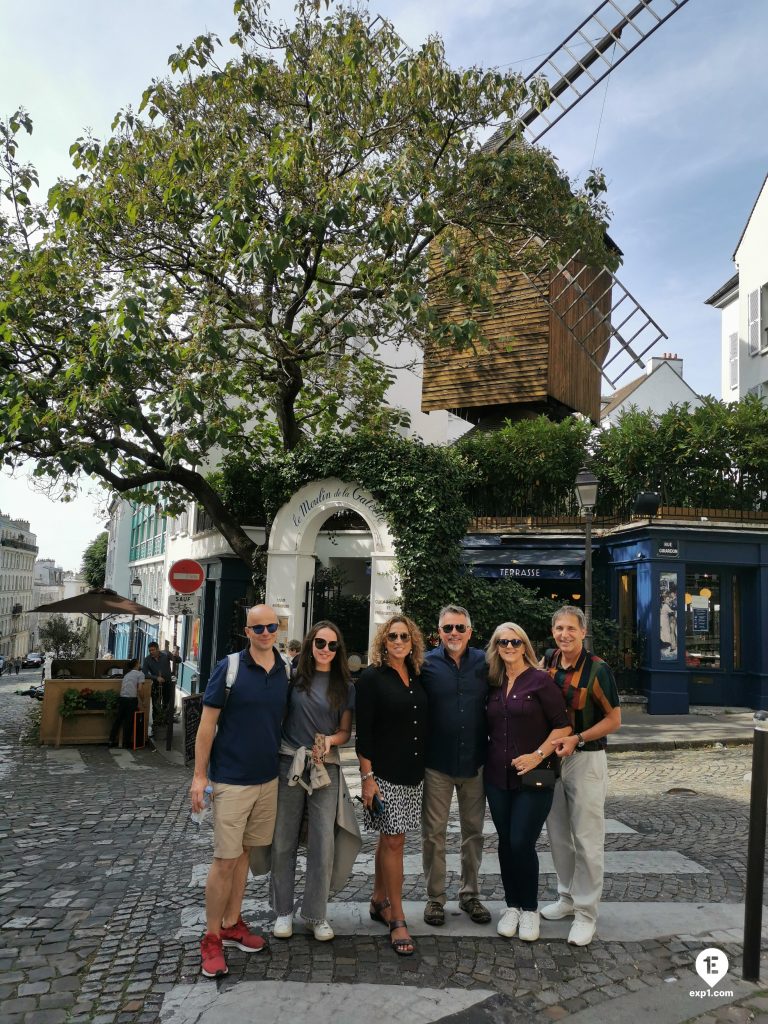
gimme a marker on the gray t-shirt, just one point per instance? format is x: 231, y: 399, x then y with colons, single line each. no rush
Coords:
x: 130, y: 684
x: 309, y: 711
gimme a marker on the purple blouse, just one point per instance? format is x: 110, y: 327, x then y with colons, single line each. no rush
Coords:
x: 520, y: 722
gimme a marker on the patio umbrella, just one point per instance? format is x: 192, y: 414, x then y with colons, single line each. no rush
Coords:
x: 99, y: 604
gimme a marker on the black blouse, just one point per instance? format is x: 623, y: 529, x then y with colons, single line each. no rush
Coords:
x: 391, y: 724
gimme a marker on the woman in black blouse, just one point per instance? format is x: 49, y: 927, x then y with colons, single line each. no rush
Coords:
x: 391, y: 708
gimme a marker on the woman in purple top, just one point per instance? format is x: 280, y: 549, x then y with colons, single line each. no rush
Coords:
x: 526, y: 717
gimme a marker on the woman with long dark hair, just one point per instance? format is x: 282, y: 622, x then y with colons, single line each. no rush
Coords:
x: 320, y: 702
x: 391, y: 749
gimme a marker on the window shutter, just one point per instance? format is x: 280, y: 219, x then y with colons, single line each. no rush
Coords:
x: 733, y: 357
x: 753, y: 321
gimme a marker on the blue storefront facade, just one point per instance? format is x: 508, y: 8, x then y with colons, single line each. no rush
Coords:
x: 690, y: 599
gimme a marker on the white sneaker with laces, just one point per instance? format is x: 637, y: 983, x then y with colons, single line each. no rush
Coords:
x: 529, y: 925
x: 508, y: 923
x: 283, y: 927
x: 323, y: 932
x: 582, y: 932
x: 557, y: 911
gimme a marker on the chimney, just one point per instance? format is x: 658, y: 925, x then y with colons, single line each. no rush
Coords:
x: 672, y: 358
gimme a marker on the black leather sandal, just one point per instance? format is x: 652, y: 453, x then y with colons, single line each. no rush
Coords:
x: 400, y: 946
x: 376, y: 908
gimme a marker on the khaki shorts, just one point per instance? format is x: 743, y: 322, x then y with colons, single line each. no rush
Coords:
x: 243, y: 816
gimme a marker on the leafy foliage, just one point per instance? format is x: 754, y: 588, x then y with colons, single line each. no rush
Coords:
x: 62, y: 639
x: 94, y: 565
x: 220, y: 273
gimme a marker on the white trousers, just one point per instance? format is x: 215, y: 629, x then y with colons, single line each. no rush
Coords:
x: 576, y: 828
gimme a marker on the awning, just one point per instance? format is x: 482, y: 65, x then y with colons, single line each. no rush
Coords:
x: 510, y: 562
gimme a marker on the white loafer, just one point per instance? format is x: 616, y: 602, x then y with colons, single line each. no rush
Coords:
x: 283, y: 927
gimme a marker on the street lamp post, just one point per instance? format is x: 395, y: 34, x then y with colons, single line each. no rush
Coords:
x: 135, y: 591
x: 586, y: 494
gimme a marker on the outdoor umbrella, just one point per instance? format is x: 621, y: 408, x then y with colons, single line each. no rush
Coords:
x: 99, y: 604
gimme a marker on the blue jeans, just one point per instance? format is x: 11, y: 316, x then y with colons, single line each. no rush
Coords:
x: 519, y: 816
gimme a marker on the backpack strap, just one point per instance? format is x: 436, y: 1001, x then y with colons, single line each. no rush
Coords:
x: 233, y: 664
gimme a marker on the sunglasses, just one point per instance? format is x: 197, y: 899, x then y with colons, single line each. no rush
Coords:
x: 459, y: 627
x: 514, y: 642
x: 271, y: 627
x: 333, y: 645
x: 392, y: 637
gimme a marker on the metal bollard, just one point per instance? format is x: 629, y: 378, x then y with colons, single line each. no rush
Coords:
x: 753, y: 891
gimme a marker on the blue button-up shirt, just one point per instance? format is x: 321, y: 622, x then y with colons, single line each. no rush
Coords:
x: 457, y: 725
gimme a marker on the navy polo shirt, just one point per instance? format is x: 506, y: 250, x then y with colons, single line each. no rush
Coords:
x: 245, y: 749
x: 457, y: 695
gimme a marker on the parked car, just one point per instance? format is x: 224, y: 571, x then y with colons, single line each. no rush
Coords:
x: 33, y: 660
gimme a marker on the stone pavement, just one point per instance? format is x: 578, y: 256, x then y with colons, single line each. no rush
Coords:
x: 101, y: 900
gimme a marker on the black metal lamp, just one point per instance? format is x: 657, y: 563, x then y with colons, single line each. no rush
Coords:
x: 586, y: 485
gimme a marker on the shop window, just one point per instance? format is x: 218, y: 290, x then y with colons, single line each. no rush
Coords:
x: 702, y: 620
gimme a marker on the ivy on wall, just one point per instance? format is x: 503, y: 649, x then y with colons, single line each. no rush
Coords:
x: 420, y: 489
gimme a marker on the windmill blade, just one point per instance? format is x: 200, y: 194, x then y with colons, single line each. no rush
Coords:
x: 581, y: 75
x: 596, y: 318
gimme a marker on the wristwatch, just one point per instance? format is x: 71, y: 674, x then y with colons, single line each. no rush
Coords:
x: 580, y: 744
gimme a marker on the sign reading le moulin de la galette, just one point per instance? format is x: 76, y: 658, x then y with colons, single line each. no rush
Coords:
x: 347, y: 495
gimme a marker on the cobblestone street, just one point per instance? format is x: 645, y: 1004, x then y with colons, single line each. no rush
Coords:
x: 101, y: 889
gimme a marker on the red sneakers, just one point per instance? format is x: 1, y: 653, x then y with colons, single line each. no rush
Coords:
x: 212, y: 953
x: 240, y: 936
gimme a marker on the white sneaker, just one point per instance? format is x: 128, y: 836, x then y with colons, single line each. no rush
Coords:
x: 283, y: 927
x: 508, y: 923
x: 582, y: 932
x: 323, y: 932
x: 529, y: 925
x: 557, y: 911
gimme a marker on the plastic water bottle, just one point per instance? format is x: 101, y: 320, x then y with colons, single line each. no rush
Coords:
x: 200, y: 816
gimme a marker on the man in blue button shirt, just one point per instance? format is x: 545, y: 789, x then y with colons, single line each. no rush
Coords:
x: 455, y: 677
x: 237, y: 748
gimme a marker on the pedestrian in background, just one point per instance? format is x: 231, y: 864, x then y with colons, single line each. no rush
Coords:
x: 17, y: 665
x: 391, y: 708
x: 128, y: 701
x: 526, y: 719
x: 320, y: 704
x: 158, y: 667
x: 576, y: 823
x: 294, y: 648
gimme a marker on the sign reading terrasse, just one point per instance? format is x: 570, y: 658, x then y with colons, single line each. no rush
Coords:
x: 347, y: 495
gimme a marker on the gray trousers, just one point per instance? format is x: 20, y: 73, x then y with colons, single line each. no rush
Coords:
x: 321, y: 809
x: 436, y: 807
x: 576, y: 828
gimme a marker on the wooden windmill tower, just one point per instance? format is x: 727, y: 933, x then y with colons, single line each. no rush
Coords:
x: 552, y: 336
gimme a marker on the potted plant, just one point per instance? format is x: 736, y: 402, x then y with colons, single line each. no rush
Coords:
x: 71, y: 703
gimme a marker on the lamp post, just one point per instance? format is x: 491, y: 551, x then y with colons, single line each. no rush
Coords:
x: 586, y: 494
x: 135, y: 591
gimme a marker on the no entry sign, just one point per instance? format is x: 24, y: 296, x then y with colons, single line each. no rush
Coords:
x: 186, y: 576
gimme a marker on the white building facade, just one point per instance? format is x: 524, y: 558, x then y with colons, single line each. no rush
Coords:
x: 743, y: 305
x: 18, y: 550
x: 655, y: 391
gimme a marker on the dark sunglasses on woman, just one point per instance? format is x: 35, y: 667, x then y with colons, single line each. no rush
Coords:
x: 271, y: 627
x: 460, y: 627
x: 392, y: 637
x: 333, y: 645
x: 514, y: 642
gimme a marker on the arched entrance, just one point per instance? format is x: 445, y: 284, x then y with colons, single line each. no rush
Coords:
x: 292, y: 547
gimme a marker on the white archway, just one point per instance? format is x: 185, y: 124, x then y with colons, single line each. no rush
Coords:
x: 291, y: 550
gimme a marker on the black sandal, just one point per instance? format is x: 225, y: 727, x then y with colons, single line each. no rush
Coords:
x: 400, y: 945
x: 376, y: 908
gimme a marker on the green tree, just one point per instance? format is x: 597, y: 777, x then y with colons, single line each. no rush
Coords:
x: 62, y: 639
x: 94, y: 566
x: 221, y: 271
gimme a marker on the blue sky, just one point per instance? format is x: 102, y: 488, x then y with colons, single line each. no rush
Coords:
x: 682, y: 138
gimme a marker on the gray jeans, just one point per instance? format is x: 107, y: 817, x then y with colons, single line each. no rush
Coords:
x: 321, y: 807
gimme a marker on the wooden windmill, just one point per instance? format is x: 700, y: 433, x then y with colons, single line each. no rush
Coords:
x: 553, y: 335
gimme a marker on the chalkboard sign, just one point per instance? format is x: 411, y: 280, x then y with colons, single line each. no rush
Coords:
x: 191, y: 711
